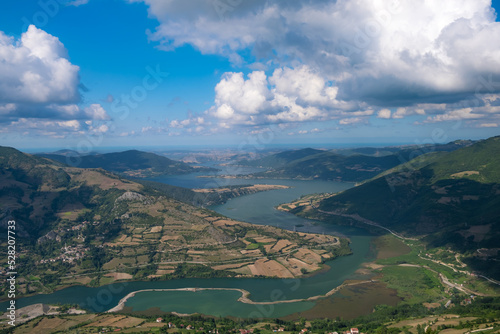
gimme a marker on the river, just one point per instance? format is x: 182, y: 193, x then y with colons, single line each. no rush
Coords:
x: 255, y: 208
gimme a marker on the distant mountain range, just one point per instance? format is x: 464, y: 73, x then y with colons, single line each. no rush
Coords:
x: 132, y: 163
x: 343, y: 165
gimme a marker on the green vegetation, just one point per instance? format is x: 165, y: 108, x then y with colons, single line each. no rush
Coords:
x: 414, y: 284
x: 451, y: 198
x: 332, y: 166
x: 346, y: 165
x: 281, y: 159
x: 92, y: 227
x: 479, y: 162
x: 134, y: 163
x: 481, y: 313
x: 203, y: 199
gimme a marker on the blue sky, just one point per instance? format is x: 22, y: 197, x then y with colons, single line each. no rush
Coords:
x: 86, y: 74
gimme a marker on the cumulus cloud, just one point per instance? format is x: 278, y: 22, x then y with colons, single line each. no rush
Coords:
x: 351, y: 121
x: 386, y: 53
x: 36, y: 70
x: 288, y: 95
x: 384, y: 113
x: 484, y: 107
x: 58, y: 129
x: 39, y: 87
x: 96, y: 112
x: 233, y: 92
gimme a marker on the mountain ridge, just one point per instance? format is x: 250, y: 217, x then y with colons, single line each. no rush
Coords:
x: 351, y: 165
x: 133, y: 163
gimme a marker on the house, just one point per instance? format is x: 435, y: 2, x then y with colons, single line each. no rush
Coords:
x: 159, y: 319
x: 354, y: 331
x: 466, y: 302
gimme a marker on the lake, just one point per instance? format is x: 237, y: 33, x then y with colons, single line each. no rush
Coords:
x: 255, y: 208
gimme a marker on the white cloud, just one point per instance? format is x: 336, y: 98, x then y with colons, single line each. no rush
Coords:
x: 351, y: 121
x: 101, y: 128
x: 384, y: 113
x: 401, y: 112
x: 77, y: 3
x: 455, y: 115
x: 488, y: 125
x: 246, y: 96
x: 39, y: 88
x: 57, y: 128
x: 484, y: 107
x: 224, y: 111
x: 292, y: 112
x: 288, y: 95
x: 302, y: 83
x: 36, y: 70
x: 388, y: 53
x: 96, y: 112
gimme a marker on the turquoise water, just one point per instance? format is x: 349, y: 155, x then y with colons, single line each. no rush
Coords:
x: 258, y: 209
x: 217, y: 303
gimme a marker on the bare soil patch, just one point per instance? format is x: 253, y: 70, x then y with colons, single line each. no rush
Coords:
x: 269, y: 268
x: 118, y: 276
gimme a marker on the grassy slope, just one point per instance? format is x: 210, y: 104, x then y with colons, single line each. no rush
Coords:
x: 446, y: 196
x: 483, y: 157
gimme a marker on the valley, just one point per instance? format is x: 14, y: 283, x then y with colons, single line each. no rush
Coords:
x: 148, y: 239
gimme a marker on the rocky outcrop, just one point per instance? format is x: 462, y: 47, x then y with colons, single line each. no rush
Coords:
x: 131, y: 196
x: 49, y: 236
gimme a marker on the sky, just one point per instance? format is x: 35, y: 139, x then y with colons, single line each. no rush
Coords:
x: 84, y: 74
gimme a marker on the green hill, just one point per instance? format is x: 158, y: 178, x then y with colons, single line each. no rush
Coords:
x: 280, y: 159
x: 479, y: 162
x: 332, y: 166
x: 132, y: 163
x: 353, y: 165
x: 446, y: 189
x: 40, y: 192
x: 451, y: 198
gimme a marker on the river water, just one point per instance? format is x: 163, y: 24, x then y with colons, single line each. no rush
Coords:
x: 258, y: 209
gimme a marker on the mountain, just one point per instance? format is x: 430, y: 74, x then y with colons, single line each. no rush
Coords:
x: 90, y: 226
x: 354, y: 165
x: 382, y: 151
x: 280, y: 159
x: 37, y: 191
x: 451, y: 198
x: 332, y: 166
x: 453, y: 188
x: 132, y: 163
